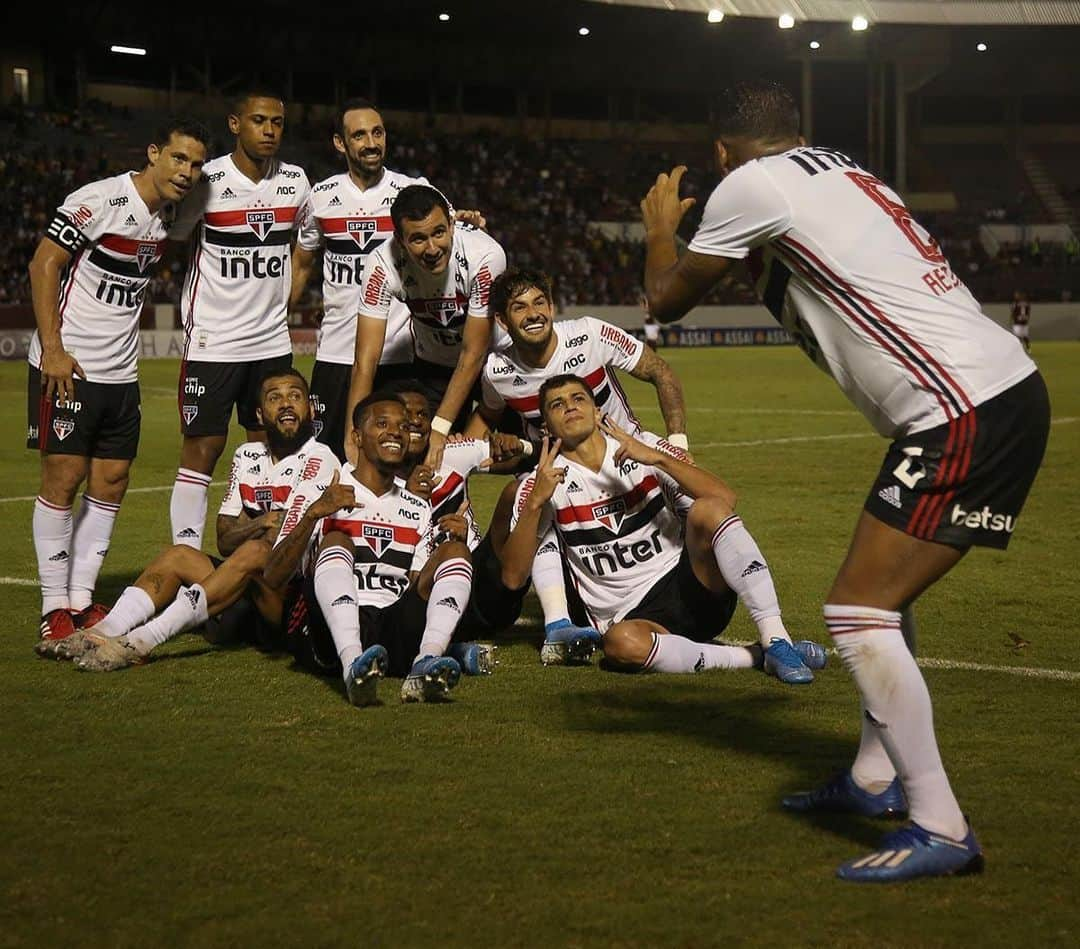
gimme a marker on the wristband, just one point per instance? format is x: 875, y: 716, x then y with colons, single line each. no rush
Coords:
x: 679, y: 440
x: 441, y: 425
x: 526, y: 448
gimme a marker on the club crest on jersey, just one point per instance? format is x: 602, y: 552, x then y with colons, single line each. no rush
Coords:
x: 145, y: 255
x: 361, y: 231
x: 264, y: 497
x: 63, y: 427
x: 377, y: 538
x: 610, y: 513
x: 443, y: 311
x: 260, y: 222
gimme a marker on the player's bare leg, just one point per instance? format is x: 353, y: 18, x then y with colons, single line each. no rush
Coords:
x: 885, y: 570
x: 198, y: 591
x: 726, y: 557
x: 644, y: 646
x: 53, y: 528
x: 199, y: 456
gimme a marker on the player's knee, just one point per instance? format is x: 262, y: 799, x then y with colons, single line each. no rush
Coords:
x: 452, y: 550
x: 707, y: 514
x: 627, y: 644
x: 336, y: 539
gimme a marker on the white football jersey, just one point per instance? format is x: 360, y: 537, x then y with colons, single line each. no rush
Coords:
x: 460, y: 459
x: 439, y: 305
x: 257, y: 484
x: 587, y: 347
x: 862, y: 287
x: 349, y: 224
x: 115, y: 242
x: 236, y: 292
x: 391, y: 538
x: 620, y: 529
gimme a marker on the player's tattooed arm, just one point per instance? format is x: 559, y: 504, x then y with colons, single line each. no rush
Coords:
x: 289, y: 550
x: 673, y: 285
x: 233, y: 531
x: 669, y: 393
x: 521, y: 545
x: 58, y: 367
x: 302, y: 262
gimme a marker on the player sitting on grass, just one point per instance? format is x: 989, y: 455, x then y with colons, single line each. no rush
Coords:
x: 385, y: 595
x: 183, y: 587
x: 655, y: 550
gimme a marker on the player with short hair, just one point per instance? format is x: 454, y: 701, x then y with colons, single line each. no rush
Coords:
x: 348, y: 216
x: 88, y: 278
x: 235, y: 298
x: 868, y: 294
x: 443, y: 273
x: 382, y: 595
x: 183, y: 587
x: 1020, y: 317
x: 655, y: 550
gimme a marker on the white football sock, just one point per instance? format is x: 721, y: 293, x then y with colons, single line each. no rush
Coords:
x: 450, y: 590
x: 744, y: 570
x: 52, y: 528
x: 550, y: 584
x: 335, y: 591
x: 187, y: 507
x: 186, y: 612
x: 671, y: 653
x: 89, y: 545
x: 132, y: 609
x: 897, y: 705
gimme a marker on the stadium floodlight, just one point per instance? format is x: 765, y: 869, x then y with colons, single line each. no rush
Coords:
x: 584, y: 31
x: 443, y: 17
x: 786, y: 21
x: 129, y: 50
x: 981, y: 47
x: 859, y: 23
x: 715, y: 16
x: 814, y: 44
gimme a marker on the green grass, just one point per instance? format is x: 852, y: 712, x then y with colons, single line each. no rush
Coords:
x: 224, y: 798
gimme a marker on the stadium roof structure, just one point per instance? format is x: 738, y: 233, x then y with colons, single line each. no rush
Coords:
x: 910, y: 12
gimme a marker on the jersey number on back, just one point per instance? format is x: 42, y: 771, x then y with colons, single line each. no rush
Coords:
x: 874, y: 189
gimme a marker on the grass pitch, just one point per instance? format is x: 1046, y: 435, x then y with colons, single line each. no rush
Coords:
x: 220, y: 797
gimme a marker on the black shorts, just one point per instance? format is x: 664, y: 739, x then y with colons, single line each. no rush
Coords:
x: 243, y: 623
x: 493, y: 606
x: 434, y: 379
x: 398, y: 627
x: 101, y: 421
x: 964, y: 483
x: 209, y: 390
x: 682, y: 605
x: 330, y: 397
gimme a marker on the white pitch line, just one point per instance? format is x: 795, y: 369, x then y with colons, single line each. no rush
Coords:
x: 1030, y: 672
x: 17, y: 582
x: 783, y: 441
x: 160, y: 487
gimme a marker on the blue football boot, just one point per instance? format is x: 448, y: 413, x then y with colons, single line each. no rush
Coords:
x: 843, y: 796
x: 785, y: 662
x: 364, y: 673
x: 812, y: 654
x: 475, y: 659
x: 430, y: 679
x: 913, y: 851
x: 566, y: 644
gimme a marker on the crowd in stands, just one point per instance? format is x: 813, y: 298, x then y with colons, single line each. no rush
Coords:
x: 542, y: 201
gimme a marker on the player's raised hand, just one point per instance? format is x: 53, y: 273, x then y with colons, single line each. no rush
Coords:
x: 422, y: 481
x: 472, y: 218
x: 336, y: 497
x: 504, y: 447
x: 58, y: 369
x: 547, y: 476
x: 662, y: 209
x: 630, y: 449
x: 455, y: 526
x: 436, y: 444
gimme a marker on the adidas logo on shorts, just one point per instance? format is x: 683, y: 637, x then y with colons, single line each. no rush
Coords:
x: 891, y: 495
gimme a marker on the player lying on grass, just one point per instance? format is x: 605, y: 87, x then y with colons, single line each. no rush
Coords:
x: 386, y: 592
x: 183, y: 587
x: 652, y: 543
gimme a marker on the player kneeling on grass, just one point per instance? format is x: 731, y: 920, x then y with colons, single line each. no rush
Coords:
x: 657, y: 554
x: 385, y: 595
x: 184, y: 587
